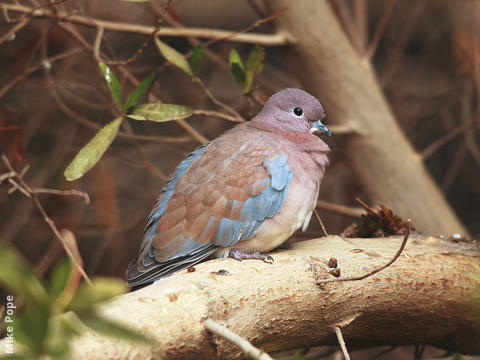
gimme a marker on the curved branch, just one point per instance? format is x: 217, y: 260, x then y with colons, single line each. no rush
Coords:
x: 278, y: 306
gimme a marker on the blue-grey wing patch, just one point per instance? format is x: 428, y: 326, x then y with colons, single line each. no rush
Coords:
x: 257, y: 208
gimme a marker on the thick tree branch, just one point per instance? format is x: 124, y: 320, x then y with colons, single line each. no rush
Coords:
x: 383, y: 160
x: 278, y: 306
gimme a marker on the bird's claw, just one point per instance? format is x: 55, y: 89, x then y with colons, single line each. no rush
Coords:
x: 240, y: 255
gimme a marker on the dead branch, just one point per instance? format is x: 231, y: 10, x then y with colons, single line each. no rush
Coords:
x: 251, y: 38
x: 16, y: 180
x: 278, y: 306
x: 340, y: 209
x: 341, y: 342
x: 247, y: 348
x: 320, y: 222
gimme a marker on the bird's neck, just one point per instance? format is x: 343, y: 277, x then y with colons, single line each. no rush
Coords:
x: 302, y: 141
x: 311, y: 145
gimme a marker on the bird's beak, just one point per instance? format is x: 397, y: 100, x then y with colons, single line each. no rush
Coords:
x: 318, y: 126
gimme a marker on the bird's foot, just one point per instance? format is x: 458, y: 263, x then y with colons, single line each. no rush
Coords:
x: 240, y: 255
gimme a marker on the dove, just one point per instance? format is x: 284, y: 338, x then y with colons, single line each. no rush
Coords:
x: 240, y: 195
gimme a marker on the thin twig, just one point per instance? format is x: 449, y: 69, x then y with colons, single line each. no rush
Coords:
x: 395, y: 56
x: 256, y: 24
x: 244, y: 345
x: 251, y: 38
x: 148, y: 163
x: 34, y: 68
x: 79, y: 193
x: 344, y: 14
x: 373, y: 272
x: 346, y: 129
x: 456, y: 164
x: 449, y: 136
x: 136, y: 55
x: 24, y: 22
x: 380, y: 29
x: 22, y: 186
x: 341, y: 342
x: 98, y: 43
x: 468, y: 134
x: 218, y: 102
x: 320, y: 222
x: 183, y: 123
x: 216, y: 114
x: 340, y: 209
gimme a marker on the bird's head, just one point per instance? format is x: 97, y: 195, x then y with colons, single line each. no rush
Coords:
x: 293, y: 110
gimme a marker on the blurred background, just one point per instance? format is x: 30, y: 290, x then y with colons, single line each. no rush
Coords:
x: 53, y: 98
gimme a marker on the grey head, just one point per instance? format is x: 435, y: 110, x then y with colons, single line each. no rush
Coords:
x: 292, y: 110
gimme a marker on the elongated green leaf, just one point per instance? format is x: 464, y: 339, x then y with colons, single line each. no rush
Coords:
x: 113, y: 84
x: 138, y: 92
x: 235, y: 58
x: 59, y: 279
x: 160, y: 112
x: 101, y: 289
x: 236, y: 66
x: 238, y: 74
x: 89, y: 155
x: 112, y: 328
x: 196, y: 58
x: 173, y: 56
x: 62, y: 330
x: 254, y: 66
x: 17, y: 276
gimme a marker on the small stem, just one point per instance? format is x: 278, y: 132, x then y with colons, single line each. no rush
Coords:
x: 373, y: 272
x: 338, y: 331
x: 320, y: 222
x: 244, y: 345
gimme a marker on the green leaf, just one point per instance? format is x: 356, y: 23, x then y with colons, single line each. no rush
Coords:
x: 89, y: 155
x: 101, y: 289
x: 173, y: 56
x: 17, y: 276
x: 59, y: 279
x: 31, y: 327
x: 236, y: 66
x: 254, y: 66
x: 138, y: 92
x: 112, y: 328
x: 197, y: 58
x: 113, y: 84
x: 63, y: 329
x: 160, y: 112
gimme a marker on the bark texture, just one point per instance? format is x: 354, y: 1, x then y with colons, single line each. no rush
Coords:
x: 426, y: 297
x: 387, y: 166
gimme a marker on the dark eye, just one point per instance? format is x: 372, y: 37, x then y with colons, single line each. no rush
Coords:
x: 298, y: 111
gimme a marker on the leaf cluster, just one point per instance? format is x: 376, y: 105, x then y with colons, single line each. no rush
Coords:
x: 91, y: 153
x: 49, y: 316
x: 244, y: 75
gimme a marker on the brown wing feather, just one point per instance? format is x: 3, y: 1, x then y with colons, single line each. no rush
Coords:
x: 215, y: 186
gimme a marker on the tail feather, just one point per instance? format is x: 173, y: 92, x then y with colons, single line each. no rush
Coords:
x: 138, y: 274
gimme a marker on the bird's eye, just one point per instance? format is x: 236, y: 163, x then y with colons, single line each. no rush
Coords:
x: 298, y: 111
